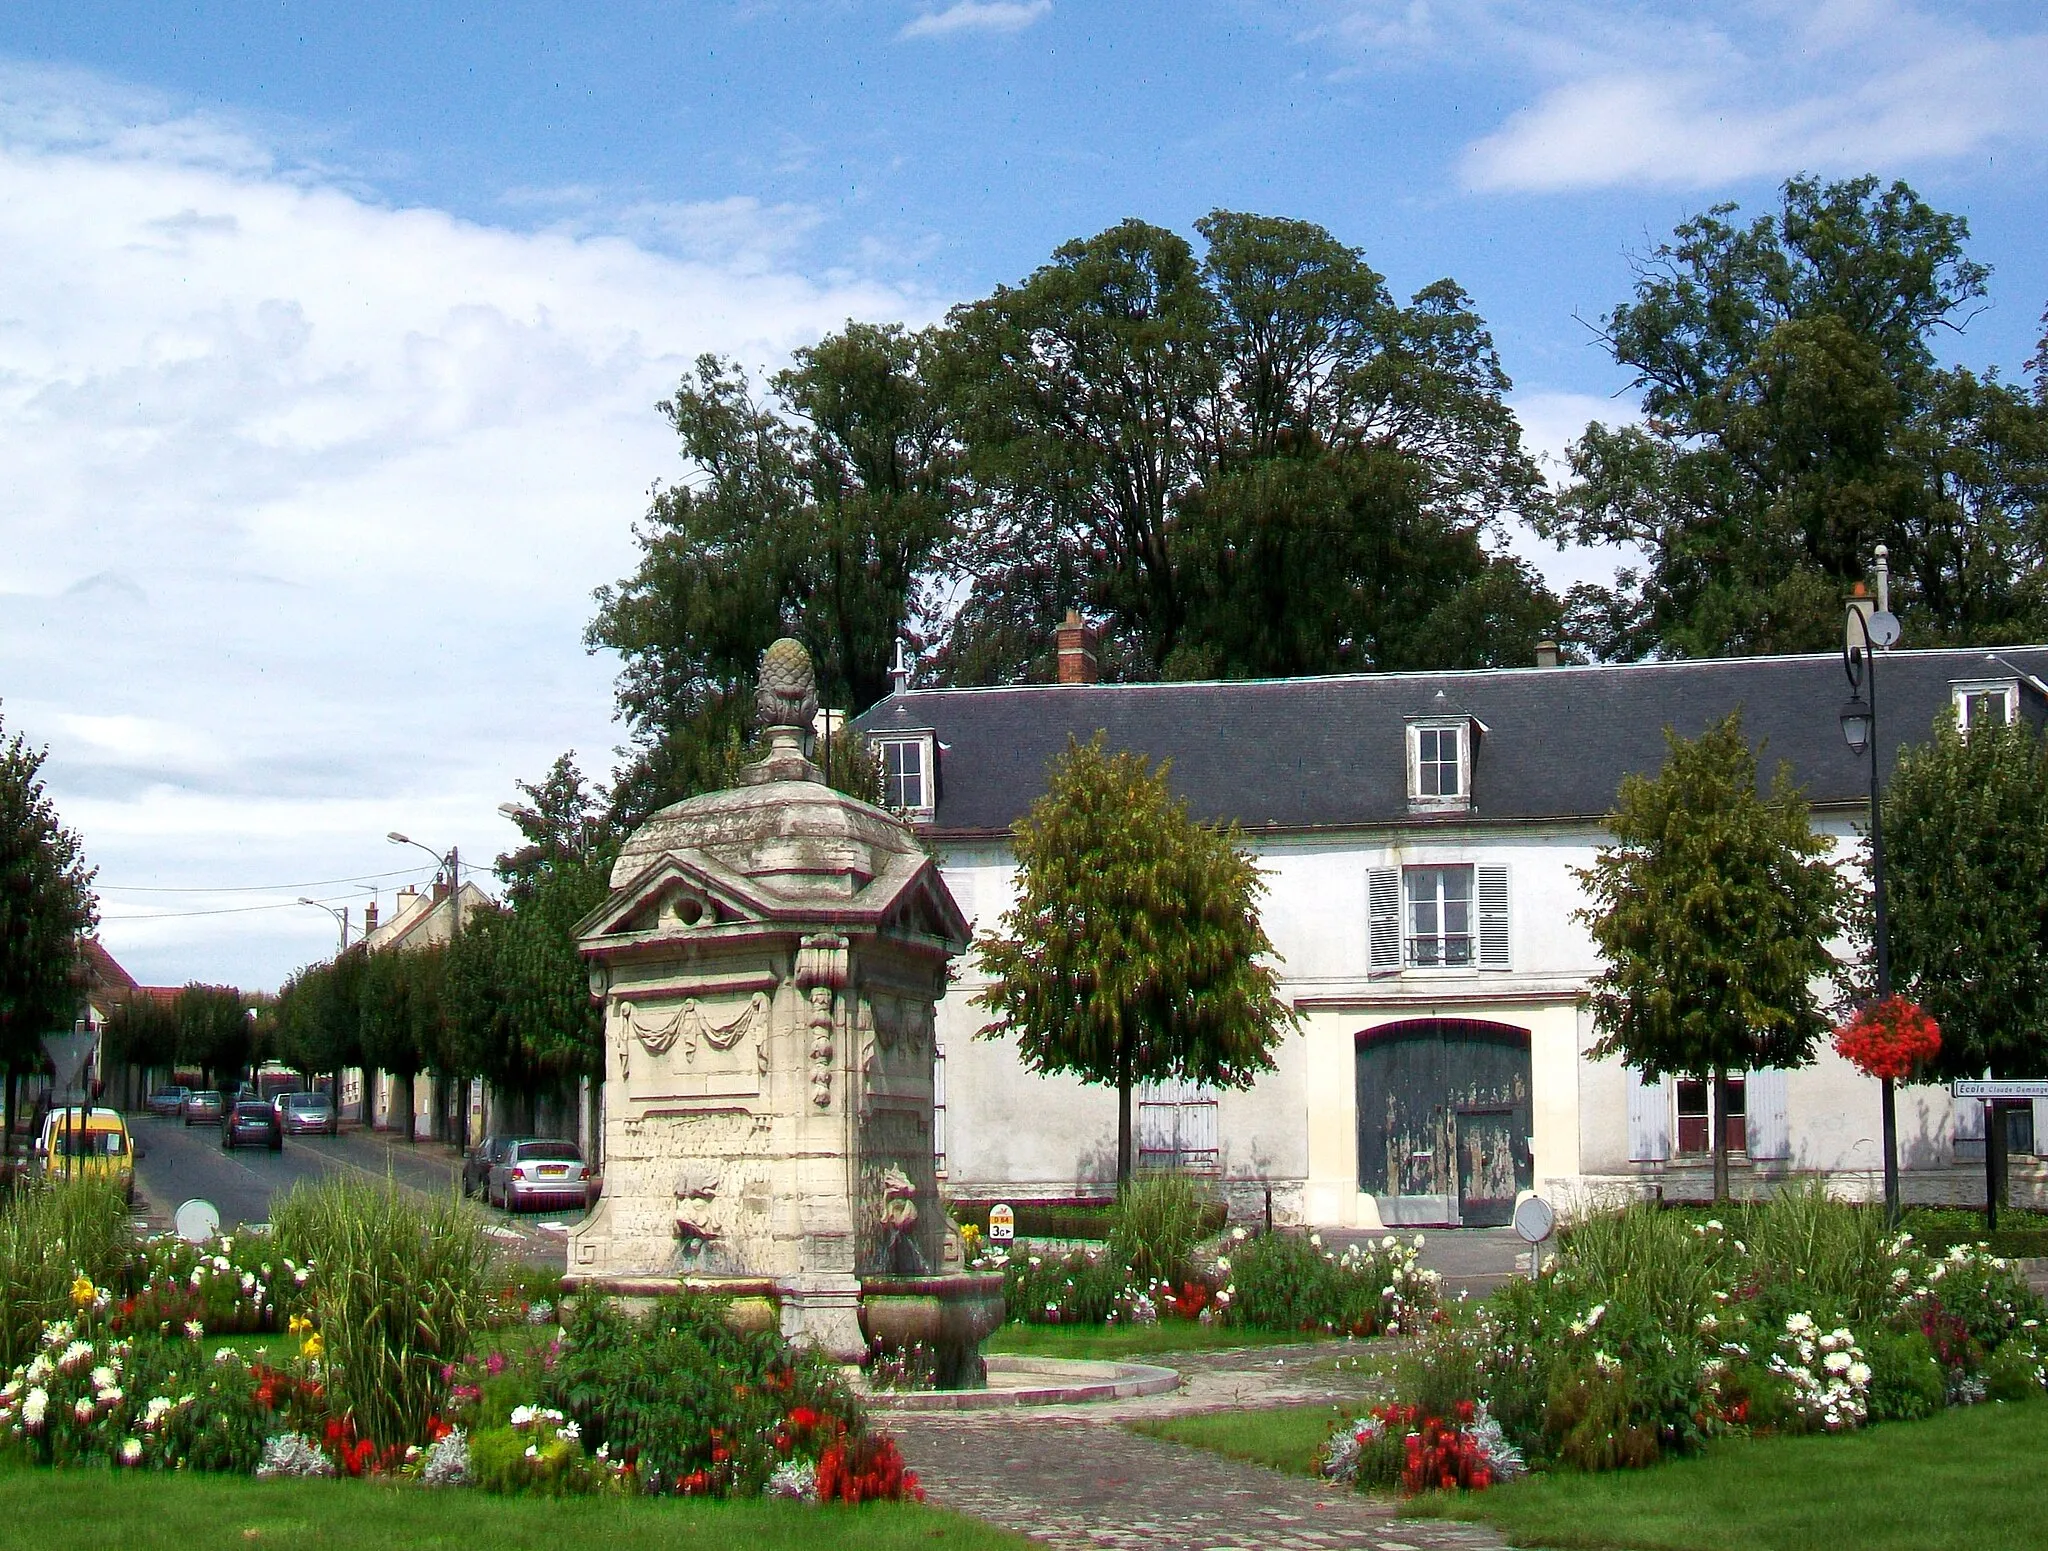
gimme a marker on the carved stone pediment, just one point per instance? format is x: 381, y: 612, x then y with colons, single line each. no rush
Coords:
x: 675, y: 897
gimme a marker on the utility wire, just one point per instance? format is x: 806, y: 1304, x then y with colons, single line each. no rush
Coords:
x: 256, y: 888
x: 232, y: 910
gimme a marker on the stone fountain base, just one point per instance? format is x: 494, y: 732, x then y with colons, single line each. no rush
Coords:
x: 950, y: 1314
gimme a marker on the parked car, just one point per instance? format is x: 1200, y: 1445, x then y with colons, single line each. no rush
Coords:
x: 254, y: 1121
x: 478, y: 1162
x: 539, y: 1173
x: 304, y: 1112
x: 167, y: 1100
x: 91, y: 1142
x: 202, y: 1104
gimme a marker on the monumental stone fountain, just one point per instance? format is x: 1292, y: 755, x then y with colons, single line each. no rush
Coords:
x: 770, y: 959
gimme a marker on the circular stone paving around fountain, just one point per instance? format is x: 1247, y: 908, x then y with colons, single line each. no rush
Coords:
x: 1038, y: 1381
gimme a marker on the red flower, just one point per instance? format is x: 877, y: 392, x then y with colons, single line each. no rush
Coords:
x: 803, y: 1418
x: 1889, y: 1038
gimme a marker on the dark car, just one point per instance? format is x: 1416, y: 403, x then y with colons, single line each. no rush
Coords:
x: 202, y: 1104
x: 308, y: 1112
x: 252, y: 1121
x: 169, y: 1100
x: 540, y: 1173
x: 482, y: 1158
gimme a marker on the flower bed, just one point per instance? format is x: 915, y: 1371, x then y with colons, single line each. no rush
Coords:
x: 1651, y: 1332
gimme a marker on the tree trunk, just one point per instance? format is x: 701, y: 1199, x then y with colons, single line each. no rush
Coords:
x: 412, y: 1107
x: 13, y: 1090
x: 1717, y: 1117
x: 1123, y: 1116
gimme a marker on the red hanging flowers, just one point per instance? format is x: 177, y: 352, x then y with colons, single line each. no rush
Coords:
x: 1891, y: 1037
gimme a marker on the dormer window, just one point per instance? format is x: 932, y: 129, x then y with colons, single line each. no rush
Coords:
x: 1986, y: 703
x: 908, y: 783
x: 1440, y: 763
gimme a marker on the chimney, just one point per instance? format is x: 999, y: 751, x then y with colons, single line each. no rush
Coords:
x: 369, y: 918
x: 1546, y: 654
x: 1077, y: 651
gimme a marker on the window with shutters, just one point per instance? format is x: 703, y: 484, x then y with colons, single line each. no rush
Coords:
x: 1695, y: 1131
x: 1177, y: 1127
x: 1438, y: 917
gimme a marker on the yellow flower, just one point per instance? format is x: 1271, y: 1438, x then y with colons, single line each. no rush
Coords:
x: 311, y: 1347
x: 299, y: 1325
x: 83, y: 1292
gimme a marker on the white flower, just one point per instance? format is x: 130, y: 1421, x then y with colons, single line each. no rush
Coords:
x: 194, y: 1330
x: 102, y: 1377
x: 533, y: 1451
x: 131, y: 1451
x: 570, y: 1431
x: 1387, y: 1242
x: 1237, y: 1235
x: 41, y: 1368
x: 1837, y: 1362
x: 522, y: 1416
x: 1316, y: 1239
x: 1859, y: 1374
x: 1593, y: 1318
x: 82, y: 1408
x: 32, y: 1409
x: 158, y: 1408
x: 74, y: 1354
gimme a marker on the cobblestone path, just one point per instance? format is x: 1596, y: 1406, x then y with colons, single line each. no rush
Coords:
x: 1075, y: 1479
x: 1094, y: 1487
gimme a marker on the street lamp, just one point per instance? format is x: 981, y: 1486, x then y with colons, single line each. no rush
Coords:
x: 453, y: 862
x: 1870, y: 627
x: 340, y: 916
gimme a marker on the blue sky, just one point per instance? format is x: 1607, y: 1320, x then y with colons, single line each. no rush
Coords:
x: 331, y: 333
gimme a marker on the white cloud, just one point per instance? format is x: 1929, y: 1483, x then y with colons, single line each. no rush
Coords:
x: 1655, y: 96
x: 998, y: 16
x: 1551, y: 421
x: 302, y: 497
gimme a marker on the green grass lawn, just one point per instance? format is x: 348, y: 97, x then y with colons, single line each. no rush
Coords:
x: 99, y: 1510
x: 1962, y: 1481
x: 1105, y: 1343
x: 1279, y: 1437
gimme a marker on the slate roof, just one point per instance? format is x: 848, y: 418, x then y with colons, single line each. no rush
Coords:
x: 1330, y: 753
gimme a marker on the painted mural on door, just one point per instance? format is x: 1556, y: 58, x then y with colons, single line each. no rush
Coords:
x: 1444, y: 1114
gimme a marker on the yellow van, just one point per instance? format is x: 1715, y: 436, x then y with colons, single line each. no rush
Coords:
x: 91, y: 1142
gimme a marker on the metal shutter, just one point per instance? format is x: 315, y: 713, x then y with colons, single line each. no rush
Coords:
x: 1492, y: 890
x: 1769, y: 1131
x: 1383, y: 907
x: 1649, y: 1118
x: 2041, y: 1128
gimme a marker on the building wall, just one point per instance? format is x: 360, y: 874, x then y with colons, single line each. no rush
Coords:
x: 1295, y: 1132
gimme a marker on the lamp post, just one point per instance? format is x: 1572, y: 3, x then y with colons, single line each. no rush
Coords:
x: 340, y: 916
x: 1872, y: 626
x: 453, y: 862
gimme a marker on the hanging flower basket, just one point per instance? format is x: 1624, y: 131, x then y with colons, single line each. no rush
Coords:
x: 1889, y: 1038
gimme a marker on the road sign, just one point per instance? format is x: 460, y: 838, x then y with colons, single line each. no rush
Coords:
x: 2002, y: 1088
x: 197, y: 1221
x: 1002, y: 1224
x: 1534, y: 1219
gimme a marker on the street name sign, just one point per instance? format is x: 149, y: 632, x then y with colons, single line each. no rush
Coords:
x: 2002, y: 1088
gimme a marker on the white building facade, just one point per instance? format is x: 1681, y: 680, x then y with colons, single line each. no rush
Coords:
x: 1419, y: 835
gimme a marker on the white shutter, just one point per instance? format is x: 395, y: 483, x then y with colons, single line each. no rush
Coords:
x: 1770, y: 1132
x: 939, y: 1107
x: 1383, y: 908
x: 1969, y: 1120
x: 1649, y: 1118
x: 1493, y: 917
x: 1158, y: 1106
x: 2041, y: 1128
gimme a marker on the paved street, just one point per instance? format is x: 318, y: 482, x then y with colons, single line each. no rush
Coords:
x: 178, y: 1162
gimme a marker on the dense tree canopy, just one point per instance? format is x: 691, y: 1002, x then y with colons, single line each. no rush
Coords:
x: 1713, y: 908
x: 46, y: 906
x: 1254, y: 462
x: 1134, y: 951
x: 1966, y: 872
x: 1795, y: 417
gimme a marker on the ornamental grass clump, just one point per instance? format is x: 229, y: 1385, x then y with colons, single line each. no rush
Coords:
x: 50, y: 1236
x: 396, y: 1289
x: 1158, y: 1219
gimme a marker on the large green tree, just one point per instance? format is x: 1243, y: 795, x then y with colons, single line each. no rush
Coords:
x: 817, y: 512
x: 1712, y: 907
x: 1251, y: 462
x: 1134, y: 951
x: 1966, y: 875
x: 46, y: 906
x: 215, y: 1031
x: 1795, y: 416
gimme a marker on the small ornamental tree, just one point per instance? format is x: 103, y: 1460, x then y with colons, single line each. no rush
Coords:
x: 1134, y: 952
x: 1713, y: 909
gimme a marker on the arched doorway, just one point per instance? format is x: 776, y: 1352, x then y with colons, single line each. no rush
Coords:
x: 1444, y: 1120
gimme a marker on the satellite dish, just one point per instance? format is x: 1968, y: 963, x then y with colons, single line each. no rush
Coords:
x: 1534, y: 1219
x: 197, y: 1221
x: 1884, y: 628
